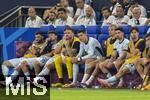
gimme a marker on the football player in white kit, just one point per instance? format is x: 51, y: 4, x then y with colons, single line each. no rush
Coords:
x: 115, y: 62
x: 28, y: 64
x: 89, y: 51
x: 38, y: 62
x: 70, y: 46
x: 33, y: 51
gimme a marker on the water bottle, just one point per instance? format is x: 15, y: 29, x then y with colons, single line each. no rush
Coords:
x: 130, y: 85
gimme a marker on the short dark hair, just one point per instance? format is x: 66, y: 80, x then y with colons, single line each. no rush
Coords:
x: 68, y: 28
x: 134, y: 28
x: 120, y: 6
x: 120, y: 29
x: 52, y: 32
x: 81, y: 31
x: 105, y: 8
x: 133, y: 2
x: 62, y: 9
x: 39, y: 33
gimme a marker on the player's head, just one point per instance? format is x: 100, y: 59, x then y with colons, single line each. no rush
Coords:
x: 68, y: 33
x: 52, y: 35
x: 112, y: 30
x: 31, y: 12
x: 39, y: 37
x: 82, y: 35
x: 119, y: 33
x: 62, y: 13
x: 147, y: 41
x: 134, y: 34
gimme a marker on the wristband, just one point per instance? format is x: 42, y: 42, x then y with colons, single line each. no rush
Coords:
x: 79, y: 59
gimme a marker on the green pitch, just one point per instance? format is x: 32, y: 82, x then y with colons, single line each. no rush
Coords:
x: 32, y: 96
x: 98, y: 94
x: 82, y: 94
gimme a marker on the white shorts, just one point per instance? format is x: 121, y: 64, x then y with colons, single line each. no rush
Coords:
x: 16, y: 61
x: 51, y: 60
x: 130, y: 67
x: 42, y: 60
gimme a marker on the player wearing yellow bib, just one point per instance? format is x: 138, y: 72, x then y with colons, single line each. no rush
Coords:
x: 134, y: 52
x: 143, y: 66
x: 69, y: 47
x: 33, y: 51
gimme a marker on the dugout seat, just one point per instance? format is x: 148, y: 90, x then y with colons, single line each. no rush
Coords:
x: 126, y: 29
x: 142, y: 29
x: 104, y: 30
x: 93, y: 29
x: 60, y: 29
x: 76, y: 28
x: 45, y: 28
x: 102, y: 38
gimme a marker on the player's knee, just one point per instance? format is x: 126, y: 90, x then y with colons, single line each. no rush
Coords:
x: 24, y: 63
x: 117, y: 65
x: 6, y: 63
x: 137, y: 62
x: 36, y: 63
x: 49, y: 66
x: 100, y: 66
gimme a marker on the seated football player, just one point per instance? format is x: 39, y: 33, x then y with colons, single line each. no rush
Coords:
x: 69, y: 48
x: 143, y: 66
x: 32, y: 52
x: 46, y: 53
x: 134, y: 52
x: 108, y: 47
x: 112, y: 65
x: 89, y: 51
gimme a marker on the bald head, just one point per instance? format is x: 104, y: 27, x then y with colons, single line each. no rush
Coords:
x: 136, y: 11
x: 31, y: 12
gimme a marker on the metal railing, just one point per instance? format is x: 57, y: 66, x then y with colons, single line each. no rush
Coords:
x: 18, y: 16
x: 8, y: 12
